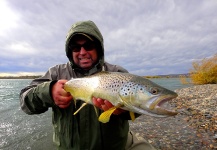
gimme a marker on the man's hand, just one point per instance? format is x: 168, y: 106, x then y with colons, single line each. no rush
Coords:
x: 60, y: 96
x: 105, y: 105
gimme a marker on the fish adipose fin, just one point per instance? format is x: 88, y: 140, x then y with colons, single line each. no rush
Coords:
x: 132, y: 115
x: 84, y: 104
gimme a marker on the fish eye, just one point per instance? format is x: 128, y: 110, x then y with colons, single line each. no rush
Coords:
x: 154, y: 91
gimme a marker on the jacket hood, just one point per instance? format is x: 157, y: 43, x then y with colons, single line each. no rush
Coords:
x: 88, y: 28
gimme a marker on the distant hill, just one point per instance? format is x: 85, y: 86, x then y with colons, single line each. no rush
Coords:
x: 20, y: 77
x: 169, y: 76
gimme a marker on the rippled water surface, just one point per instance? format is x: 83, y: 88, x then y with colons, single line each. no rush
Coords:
x: 19, y: 131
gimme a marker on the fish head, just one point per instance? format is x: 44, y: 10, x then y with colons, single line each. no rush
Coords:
x: 146, y: 97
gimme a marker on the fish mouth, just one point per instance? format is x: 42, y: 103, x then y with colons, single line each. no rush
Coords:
x: 162, y: 107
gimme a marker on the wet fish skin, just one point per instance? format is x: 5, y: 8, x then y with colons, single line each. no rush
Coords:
x: 130, y: 92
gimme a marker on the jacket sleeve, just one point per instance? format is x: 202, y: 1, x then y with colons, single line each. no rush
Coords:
x: 36, y: 98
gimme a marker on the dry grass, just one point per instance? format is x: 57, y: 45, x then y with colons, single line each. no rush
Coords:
x: 204, y: 71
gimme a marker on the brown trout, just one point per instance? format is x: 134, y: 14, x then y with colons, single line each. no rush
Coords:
x: 124, y: 90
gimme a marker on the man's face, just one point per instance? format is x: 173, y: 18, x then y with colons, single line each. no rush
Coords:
x: 84, y: 53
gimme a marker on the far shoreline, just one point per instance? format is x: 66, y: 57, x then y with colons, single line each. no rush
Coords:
x: 20, y: 77
x: 149, y: 77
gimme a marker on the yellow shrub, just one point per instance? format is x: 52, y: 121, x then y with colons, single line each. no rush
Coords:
x: 204, y: 71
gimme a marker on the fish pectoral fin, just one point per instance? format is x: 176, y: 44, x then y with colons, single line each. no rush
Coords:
x: 84, y: 104
x: 105, y: 116
x: 132, y: 116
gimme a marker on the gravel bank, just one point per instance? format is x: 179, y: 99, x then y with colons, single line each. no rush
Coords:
x: 194, y: 128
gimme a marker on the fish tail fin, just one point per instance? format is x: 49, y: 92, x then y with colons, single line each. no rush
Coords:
x: 132, y: 116
x: 84, y: 104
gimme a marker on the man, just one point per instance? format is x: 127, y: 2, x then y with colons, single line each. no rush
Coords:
x: 85, y: 51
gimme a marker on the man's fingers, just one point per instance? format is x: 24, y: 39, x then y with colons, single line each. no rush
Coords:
x: 100, y: 101
x: 62, y: 82
x: 96, y: 103
x: 64, y: 106
x: 62, y: 100
x: 104, y: 107
x: 108, y: 104
x: 64, y: 93
x: 60, y: 96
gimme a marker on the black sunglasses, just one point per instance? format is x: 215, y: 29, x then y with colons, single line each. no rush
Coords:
x: 88, y: 46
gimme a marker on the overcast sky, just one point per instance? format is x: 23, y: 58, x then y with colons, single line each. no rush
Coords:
x: 147, y: 37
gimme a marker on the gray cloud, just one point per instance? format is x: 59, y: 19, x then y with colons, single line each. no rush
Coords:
x: 145, y: 37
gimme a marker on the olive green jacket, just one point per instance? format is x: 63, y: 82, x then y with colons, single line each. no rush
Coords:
x: 83, y: 130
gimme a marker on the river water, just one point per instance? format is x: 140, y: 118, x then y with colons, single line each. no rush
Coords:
x: 19, y: 131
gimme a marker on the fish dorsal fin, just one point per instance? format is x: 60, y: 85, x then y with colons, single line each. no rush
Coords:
x: 84, y: 104
x: 132, y: 116
x: 105, y: 116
